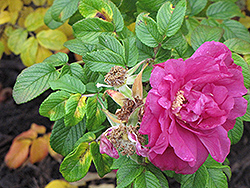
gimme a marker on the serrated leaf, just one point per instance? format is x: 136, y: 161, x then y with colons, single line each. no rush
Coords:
x: 77, y: 71
x: 241, y: 62
x: 88, y: 137
x: 131, y: 51
x: 119, y: 162
x: 95, y: 8
x: 61, y: 10
x: 198, y: 179
x: 89, y: 29
x: 117, y: 18
x: 102, y: 162
x: 53, y: 106
x: 75, y: 109
x: 103, y: 60
x: 204, y: 33
x: 147, y: 179
x: 89, y: 76
x: 29, y: 51
x: 94, y: 115
x: 63, y: 138
x: 76, y: 164
x: 79, y: 47
x: 216, y: 179
x: 145, y: 52
x: 33, y: 81
x: 160, y: 176
x: 49, y: 21
x: 210, y: 22
x: 68, y: 83
x: 16, y: 40
x: 196, y: 6
x: 238, y: 45
x: 57, y: 59
x: 223, y: 10
x: 169, y: 19
x: 234, y: 29
x: 111, y: 43
x: 33, y: 21
x: 51, y: 39
x: 146, y: 30
x: 246, y: 117
x: 150, y: 5
x: 127, y: 173
x: 236, y: 133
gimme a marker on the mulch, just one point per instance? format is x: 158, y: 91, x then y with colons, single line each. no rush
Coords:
x: 15, y: 119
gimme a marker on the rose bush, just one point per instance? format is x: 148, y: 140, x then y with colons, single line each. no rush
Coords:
x: 191, y: 107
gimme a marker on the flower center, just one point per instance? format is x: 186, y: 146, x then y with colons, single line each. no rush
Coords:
x: 116, y: 77
x: 178, y: 102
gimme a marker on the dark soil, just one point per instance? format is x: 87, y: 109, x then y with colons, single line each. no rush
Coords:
x: 15, y: 119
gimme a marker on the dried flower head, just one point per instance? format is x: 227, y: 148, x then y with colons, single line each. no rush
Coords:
x: 116, y: 76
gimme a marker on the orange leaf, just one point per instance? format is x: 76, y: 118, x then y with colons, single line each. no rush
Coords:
x: 118, y: 97
x: 38, y: 150
x: 29, y: 135
x: 18, y: 153
x: 137, y: 89
x: 40, y: 129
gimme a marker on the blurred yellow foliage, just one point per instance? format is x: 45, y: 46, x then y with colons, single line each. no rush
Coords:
x: 60, y: 184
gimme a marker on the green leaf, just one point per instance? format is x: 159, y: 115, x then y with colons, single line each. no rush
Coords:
x: 162, y: 55
x: 216, y: 179
x: 49, y: 21
x: 147, y: 179
x: 88, y: 137
x: 119, y: 162
x: 1, y: 49
x: 131, y: 51
x: 75, y: 109
x: 204, y: 33
x: 63, y: 138
x: 89, y: 29
x: 33, y: 21
x: 76, y: 71
x: 145, y: 52
x: 223, y: 10
x: 169, y: 19
x: 236, y: 133
x: 89, y: 76
x: 68, y: 83
x: 51, y: 39
x: 103, y: 60
x: 246, y: 117
x: 53, y: 106
x: 150, y: 5
x: 33, y: 81
x: 117, y: 17
x: 238, y: 45
x: 174, y: 41
x: 127, y: 173
x: 234, y: 29
x: 198, y: 179
x: 79, y: 47
x: 61, y: 10
x: 57, y: 59
x: 95, y: 116
x: 245, y: 67
x: 16, y: 40
x: 102, y: 162
x: 146, y: 30
x: 29, y: 51
x: 112, y: 44
x: 76, y: 164
x: 196, y: 6
x: 160, y: 176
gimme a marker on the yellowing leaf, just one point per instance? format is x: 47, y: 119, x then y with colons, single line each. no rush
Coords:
x: 28, y: 54
x: 3, y: 5
x: 245, y: 21
x: 33, y: 21
x: 4, y: 17
x: 131, y: 27
x: 50, y: 2
x: 23, y: 14
x: 26, y: 2
x: 6, y: 48
x: 60, y: 184
x: 18, y: 153
x: 39, y: 2
x: 13, y: 16
x: 38, y: 150
x: 51, y: 39
x: 66, y: 29
x: 41, y: 10
x: 16, y: 40
x: 1, y: 49
x: 42, y: 53
x: 15, y: 5
x: 40, y: 129
x: 248, y: 4
x: 8, y: 30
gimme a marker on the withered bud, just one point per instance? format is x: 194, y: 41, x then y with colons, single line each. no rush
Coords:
x: 116, y: 77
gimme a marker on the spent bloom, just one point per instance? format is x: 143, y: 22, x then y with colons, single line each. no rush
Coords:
x: 191, y: 107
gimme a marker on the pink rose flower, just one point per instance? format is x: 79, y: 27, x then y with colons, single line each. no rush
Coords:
x: 191, y: 107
